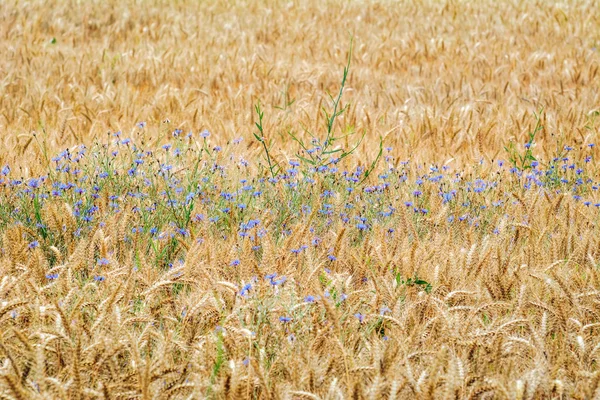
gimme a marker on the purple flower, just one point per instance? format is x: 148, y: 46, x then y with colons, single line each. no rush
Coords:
x: 234, y: 263
x: 33, y: 245
x: 33, y: 183
x: 309, y: 299
x: 285, y: 319
x: 103, y: 261
x: 279, y: 281
x: 360, y: 317
x: 247, y: 287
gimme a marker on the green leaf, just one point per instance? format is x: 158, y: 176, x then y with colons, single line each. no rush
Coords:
x: 311, y: 162
x: 301, y: 143
x: 332, y: 151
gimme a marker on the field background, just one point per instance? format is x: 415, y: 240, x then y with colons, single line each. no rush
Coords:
x: 433, y: 311
x: 461, y: 77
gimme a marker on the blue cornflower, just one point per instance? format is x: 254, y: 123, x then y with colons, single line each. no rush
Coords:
x: 205, y: 134
x: 5, y: 170
x: 103, y: 261
x: 360, y: 317
x: 235, y: 263
x: 99, y: 278
x: 33, y: 183
x: 247, y: 287
x: 52, y: 276
x: 199, y: 217
x: 279, y: 281
x: 285, y: 319
x: 33, y: 245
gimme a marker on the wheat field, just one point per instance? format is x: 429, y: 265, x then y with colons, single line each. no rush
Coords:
x: 299, y: 200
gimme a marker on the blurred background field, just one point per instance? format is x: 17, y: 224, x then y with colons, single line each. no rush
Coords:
x: 461, y: 77
x: 152, y: 248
